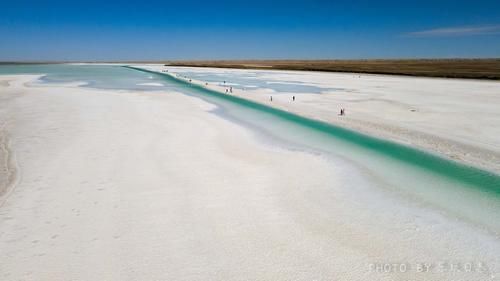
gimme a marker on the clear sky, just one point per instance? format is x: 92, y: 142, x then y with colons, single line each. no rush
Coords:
x: 314, y: 29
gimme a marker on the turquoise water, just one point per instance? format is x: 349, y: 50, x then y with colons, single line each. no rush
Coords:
x: 456, y: 190
x: 95, y: 76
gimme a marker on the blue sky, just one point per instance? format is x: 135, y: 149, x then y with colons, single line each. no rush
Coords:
x: 163, y: 30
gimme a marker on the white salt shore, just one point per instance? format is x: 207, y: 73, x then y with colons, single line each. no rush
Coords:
x: 151, y: 84
x: 455, y: 118
x: 152, y: 186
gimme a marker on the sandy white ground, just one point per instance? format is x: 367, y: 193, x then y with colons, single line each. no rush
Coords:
x: 116, y: 185
x: 453, y: 117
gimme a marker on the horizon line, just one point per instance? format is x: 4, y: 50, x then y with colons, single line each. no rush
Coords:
x: 243, y: 60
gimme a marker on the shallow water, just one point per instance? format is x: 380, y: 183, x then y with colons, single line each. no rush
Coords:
x: 251, y: 80
x: 95, y: 76
x: 455, y: 190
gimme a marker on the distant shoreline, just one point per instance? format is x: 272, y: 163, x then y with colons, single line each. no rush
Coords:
x: 485, y: 69
x: 482, y: 69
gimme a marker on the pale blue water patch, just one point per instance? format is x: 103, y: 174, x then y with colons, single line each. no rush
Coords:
x: 252, y: 80
x: 94, y: 76
x: 291, y: 87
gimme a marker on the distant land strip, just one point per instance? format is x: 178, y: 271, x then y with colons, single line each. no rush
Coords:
x: 448, y: 68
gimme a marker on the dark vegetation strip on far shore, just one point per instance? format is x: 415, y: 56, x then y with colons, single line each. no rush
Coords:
x: 448, y: 68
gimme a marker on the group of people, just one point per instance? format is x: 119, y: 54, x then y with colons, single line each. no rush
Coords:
x: 230, y: 90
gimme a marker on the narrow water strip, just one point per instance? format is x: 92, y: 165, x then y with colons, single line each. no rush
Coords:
x: 473, y: 177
